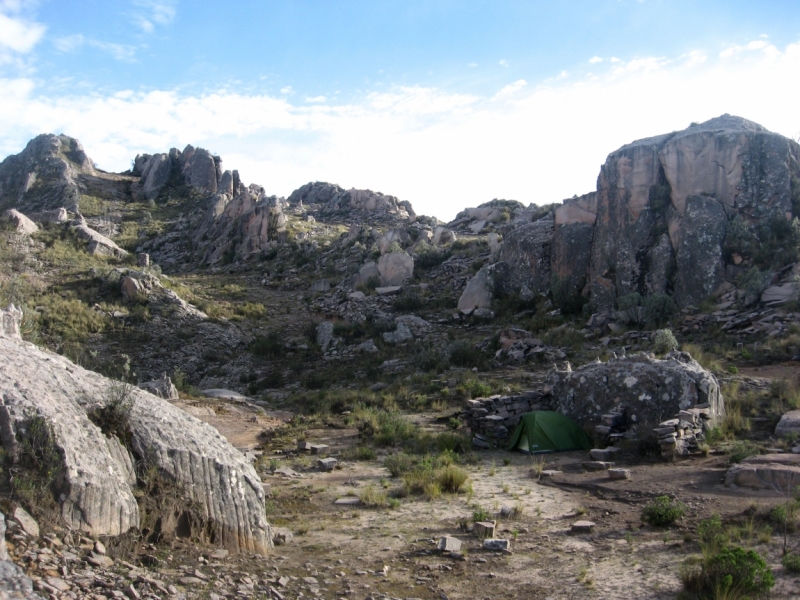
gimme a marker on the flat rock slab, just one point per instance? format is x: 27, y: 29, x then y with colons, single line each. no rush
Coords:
x: 777, y: 472
x: 221, y: 394
x: 348, y: 501
x: 496, y: 545
x: 596, y: 465
x: 603, y: 454
x: 619, y: 474
x: 551, y: 473
x: 389, y: 290
x: 582, y: 527
x: 789, y: 423
x: 27, y: 522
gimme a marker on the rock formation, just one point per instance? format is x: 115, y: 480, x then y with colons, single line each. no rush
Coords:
x: 43, y: 176
x: 19, y: 222
x: 659, y: 220
x: 223, y: 496
x: 333, y: 202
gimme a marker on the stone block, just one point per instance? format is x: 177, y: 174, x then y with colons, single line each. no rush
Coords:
x: 596, y: 465
x: 484, y: 529
x: 604, y: 454
x: 582, y: 527
x: 619, y: 474
x: 496, y: 545
x: 327, y: 464
x: 449, y: 544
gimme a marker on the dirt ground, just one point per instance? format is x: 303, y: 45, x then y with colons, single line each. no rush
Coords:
x: 358, y: 552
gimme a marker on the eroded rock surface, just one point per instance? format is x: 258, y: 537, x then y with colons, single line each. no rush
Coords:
x: 222, y: 491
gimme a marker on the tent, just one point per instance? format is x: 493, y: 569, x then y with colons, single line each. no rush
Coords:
x: 548, y: 431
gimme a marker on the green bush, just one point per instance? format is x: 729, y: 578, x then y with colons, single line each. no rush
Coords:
x: 741, y: 450
x: 451, y: 479
x: 409, y: 301
x: 464, y: 354
x: 791, y: 562
x: 267, y: 346
x: 659, y: 308
x: 566, y: 295
x: 735, y: 570
x: 663, y: 511
x: 398, y: 464
x: 630, y: 307
x: 664, y: 341
x: 479, y: 513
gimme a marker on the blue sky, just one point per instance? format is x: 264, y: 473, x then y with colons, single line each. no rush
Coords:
x: 444, y: 103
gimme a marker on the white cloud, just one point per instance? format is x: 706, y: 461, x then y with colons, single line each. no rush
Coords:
x: 71, y: 43
x: 149, y: 13
x: 595, y: 59
x: 443, y: 151
x: 18, y: 34
x: 503, y: 63
x: 472, y: 65
x: 316, y: 99
x: 287, y: 90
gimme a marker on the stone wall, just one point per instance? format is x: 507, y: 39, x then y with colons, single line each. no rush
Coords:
x: 492, y: 420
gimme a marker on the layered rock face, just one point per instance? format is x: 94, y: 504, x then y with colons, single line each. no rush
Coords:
x: 223, y: 495
x: 43, y: 176
x: 333, y: 202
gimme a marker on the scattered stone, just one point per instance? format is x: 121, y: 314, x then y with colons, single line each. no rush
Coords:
x: 619, y: 474
x: 484, y: 529
x: 496, y: 545
x: 348, y: 501
x: 582, y: 527
x: 281, y: 536
x: 389, y: 290
x: 449, y: 544
x: 777, y: 472
x: 327, y: 464
x: 596, y: 465
x: 27, y: 522
x: 603, y: 455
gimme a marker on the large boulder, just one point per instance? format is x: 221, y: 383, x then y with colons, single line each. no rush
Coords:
x: 19, y: 222
x: 789, y: 424
x: 643, y: 388
x: 201, y: 170
x: 487, y: 283
x: 395, y: 268
x: 220, y: 493
x: 143, y: 287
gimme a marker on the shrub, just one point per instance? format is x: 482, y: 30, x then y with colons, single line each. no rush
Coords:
x: 713, y: 537
x: 741, y: 450
x: 398, y: 464
x: 664, y: 341
x: 735, y: 570
x: 451, y: 479
x: 268, y: 346
x: 372, y: 497
x: 409, y: 301
x: 450, y: 441
x: 479, y: 513
x: 113, y: 418
x: 464, y: 354
x: 791, y: 562
x: 630, y: 308
x: 663, y: 511
x: 566, y: 295
x: 659, y: 308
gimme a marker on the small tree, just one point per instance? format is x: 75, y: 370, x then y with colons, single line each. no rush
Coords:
x: 664, y: 341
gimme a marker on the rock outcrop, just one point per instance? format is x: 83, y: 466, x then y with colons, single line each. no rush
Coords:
x: 332, y: 202
x: 44, y: 175
x: 97, y: 243
x: 776, y: 472
x: 660, y: 217
x: 19, y: 222
x: 222, y: 495
x: 143, y: 287
x: 395, y: 268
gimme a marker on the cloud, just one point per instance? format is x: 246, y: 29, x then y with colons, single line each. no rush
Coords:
x: 595, y: 59
x: 149, y: 13
x: 756, y: 45
x: 503, y: 63
x: 472, y: 65
x: 16, y: 33
x: 316, y: 99
x: 532, y: 141
x: 71, y: 43
x: 287, y: 90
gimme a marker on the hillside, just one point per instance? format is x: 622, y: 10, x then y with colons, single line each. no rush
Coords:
x: 343, y: 316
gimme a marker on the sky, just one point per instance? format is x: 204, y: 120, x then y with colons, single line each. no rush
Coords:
x: 445, y: 103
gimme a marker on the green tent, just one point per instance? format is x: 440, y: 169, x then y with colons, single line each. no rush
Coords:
x: 548, y: 431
